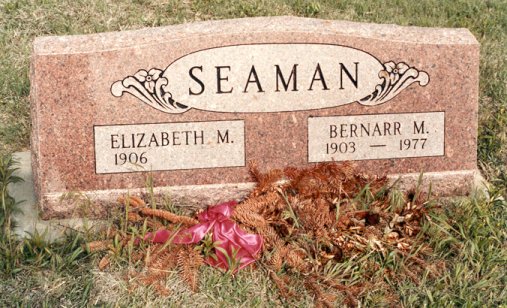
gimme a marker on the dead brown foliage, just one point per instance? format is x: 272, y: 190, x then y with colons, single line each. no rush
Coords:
x: 309, y: 218
x: 189, y: 261
x: 327, y: 213
x: 166, y: 215
x: 98, y: 245
x: 158, y: 260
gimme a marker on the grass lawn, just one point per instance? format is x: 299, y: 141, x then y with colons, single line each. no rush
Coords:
x: 468, y: 235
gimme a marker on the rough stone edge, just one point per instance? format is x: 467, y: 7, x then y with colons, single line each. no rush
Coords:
x: 29, y: 221
x: 96, y: 204
x: 107, y: 41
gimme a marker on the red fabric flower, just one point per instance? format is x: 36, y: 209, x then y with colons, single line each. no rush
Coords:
x: 236, y: 242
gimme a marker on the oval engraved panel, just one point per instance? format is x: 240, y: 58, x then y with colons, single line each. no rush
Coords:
x: 270, y: 78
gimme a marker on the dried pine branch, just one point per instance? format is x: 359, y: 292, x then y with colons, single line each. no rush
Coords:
x: 295, y: 261
x: 270, y: 236
x: 134, y: 217
x: 159, y: 265
x: 166, y: 215
x: 104, y: 263
x: 96, y: 246
x: 315, y: 214
x: 249, y: 218
x: 351, y: 299
x: 276, y: 260
x: 266, y: 182
x: 162, y: 289
x: 321, y: 297
x: 189, y: 261
x: 132, y: 201
x: 282, y: 286
x: 259, y: 203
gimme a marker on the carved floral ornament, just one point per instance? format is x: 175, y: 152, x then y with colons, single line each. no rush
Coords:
x: 395, y: 78
x: 215, y: 86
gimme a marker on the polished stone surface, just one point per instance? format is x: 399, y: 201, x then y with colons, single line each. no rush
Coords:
x: 80, y: 83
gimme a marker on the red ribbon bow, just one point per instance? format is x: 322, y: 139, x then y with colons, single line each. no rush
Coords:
x: 225, y: 232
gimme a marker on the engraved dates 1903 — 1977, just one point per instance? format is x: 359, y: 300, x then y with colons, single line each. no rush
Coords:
x: 377, y: 136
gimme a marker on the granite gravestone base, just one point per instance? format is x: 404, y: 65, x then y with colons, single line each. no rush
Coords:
x: 190, y: 105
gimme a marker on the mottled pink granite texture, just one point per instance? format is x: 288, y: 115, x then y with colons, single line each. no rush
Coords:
x: 71, y: 78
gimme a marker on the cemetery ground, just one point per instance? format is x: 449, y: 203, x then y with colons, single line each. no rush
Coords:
x: 466, y: 236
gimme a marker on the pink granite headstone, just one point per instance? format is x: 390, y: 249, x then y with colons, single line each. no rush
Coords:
x: 190, y: 105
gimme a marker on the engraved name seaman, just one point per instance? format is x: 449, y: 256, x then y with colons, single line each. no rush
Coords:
x: 270, y: 78
x: 278, y: 80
